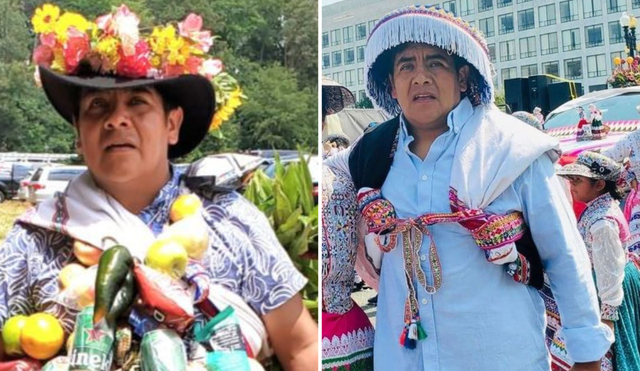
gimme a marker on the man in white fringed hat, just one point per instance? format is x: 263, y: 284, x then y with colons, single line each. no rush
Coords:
x: 461, y: 211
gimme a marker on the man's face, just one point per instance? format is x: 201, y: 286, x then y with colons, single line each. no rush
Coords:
x: 426, y: 84
x: 124, y: 135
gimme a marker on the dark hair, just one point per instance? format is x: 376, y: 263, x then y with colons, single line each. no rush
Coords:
x: 611, y: 188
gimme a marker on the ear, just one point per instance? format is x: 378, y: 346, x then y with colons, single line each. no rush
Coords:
x: 600, y: 184
x: 463, y: 78
x: 394, y: 94
x: 174, y: 122
x: 78, y: 140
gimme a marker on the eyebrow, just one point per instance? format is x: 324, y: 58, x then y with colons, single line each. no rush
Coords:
x: 432, y: 57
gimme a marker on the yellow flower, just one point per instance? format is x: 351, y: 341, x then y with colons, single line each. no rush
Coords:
x: 58, y: 61
x: 45, y: 18
x: 616, y: 61
x: 224, y: 113
x: 108, y: 48
x: 160, y: 38
x: 178, y: 51
x: 70, y: 20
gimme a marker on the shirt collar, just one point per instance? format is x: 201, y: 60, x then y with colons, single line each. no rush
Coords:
x: 455, y: 119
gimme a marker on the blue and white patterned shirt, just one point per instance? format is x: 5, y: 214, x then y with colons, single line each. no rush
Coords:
x: 244, y: 256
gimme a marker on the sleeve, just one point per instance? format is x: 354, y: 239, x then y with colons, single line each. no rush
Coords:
x: 566, y: 263
x: 608, y: 258
x: 339, y: 161
x: 14, y: 275
x: 270, y: 277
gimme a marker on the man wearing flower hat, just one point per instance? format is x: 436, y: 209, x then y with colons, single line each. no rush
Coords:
x: 460, y: 210
x: 135, y: 102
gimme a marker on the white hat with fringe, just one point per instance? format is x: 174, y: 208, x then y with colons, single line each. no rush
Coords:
x: 428, y: 25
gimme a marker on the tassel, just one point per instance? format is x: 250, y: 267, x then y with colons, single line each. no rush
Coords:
x: 403, y: 336
x: 413, y: 330
x: 422, y: 334
x: 410, y: 344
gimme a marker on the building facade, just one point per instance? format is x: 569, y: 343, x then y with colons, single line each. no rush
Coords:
x: 573, y: 39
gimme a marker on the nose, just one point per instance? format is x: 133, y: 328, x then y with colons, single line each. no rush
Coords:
x: 119, y: 116
x: 422, y: 76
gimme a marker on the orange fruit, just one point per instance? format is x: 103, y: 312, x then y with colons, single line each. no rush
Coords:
x: 70, y: 273
x: 87, y: 254
x: 11, y: 335
x: 183, y: 206
x: 42, y: 336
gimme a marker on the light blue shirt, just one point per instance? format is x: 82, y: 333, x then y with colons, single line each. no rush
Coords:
x: 480, y: 319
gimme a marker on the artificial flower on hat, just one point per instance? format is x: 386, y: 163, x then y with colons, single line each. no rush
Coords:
x: 113, y: 45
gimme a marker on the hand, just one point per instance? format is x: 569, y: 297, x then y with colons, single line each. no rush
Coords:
x: 589, y: 366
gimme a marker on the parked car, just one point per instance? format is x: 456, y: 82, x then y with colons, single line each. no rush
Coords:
x: 619, y: 113
x: 314, y: 168
x: 46, y: 181
x: 11, y: 176
x: 223, y: 172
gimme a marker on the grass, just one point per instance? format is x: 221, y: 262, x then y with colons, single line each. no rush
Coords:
x: 9, y: 211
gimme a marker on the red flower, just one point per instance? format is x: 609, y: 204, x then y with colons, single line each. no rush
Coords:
x: 75, y: 49
x: 43, y: 55
x: 192, y: 65
x: 171, y: 70
x: 137, y: 65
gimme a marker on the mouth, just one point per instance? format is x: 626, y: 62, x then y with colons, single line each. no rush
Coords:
x: 424, y: 97
x: 119, y: 146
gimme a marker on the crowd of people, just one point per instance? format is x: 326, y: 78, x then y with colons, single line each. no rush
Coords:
x: 460, y: 217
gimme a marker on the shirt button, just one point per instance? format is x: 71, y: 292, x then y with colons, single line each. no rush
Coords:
x: 424, y: 301
x: 424, y: 177
x: 423, y: 257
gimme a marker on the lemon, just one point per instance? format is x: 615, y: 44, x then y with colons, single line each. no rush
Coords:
x: 42, y: 336
x: 184, y: 206
x: 70, y: 273
x: 11, y: 335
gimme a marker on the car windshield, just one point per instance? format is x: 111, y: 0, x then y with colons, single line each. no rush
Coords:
x: 617, y: 108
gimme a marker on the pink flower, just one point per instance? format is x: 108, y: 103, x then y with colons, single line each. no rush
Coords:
x: 211, y: 67
x: 75, y: 49
x: 43, y: 55
x: 171, y: 70
x: 48, y: 39
x: 136, y: 65
x: 191, y: 29
x: 105, y: 23
x: 192, y: 65
x: 125, y: 25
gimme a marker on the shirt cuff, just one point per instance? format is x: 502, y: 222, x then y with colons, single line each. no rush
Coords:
x: 609, y: 312
x: 588, y: 344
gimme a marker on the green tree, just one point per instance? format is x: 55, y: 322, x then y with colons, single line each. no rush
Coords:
x: 15, y: 35
x: 364, y: 103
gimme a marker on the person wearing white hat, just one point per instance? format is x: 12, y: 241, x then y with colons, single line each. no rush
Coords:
x: 461, y: 210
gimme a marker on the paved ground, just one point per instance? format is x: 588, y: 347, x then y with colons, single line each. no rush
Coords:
x: 361, y: 298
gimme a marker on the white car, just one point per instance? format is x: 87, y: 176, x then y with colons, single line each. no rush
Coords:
x: 46, y: 181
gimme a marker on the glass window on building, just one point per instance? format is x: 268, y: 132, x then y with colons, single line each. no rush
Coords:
x: 349, y: 78
x: 594, y: 35
x: 505, y: 22
x: 360, y: 76
x: 591, y: 8
x: 547, y: 15
x: 335, y: 37
x: 596, y: 65
x: 551, y: 68
x: 507, y: 50
x: 528, y: 47
x: 615, y: 32
x: 492, y: 52
x: 503, y: 3
x: 597, y: 87
x: 349, y: 56
x: 326, y: 60
x: 568, y: 10
x: 361, y: 31
x: 372, y: 24
x: 325, y: 39
x: 571, y: 39
x: 360, y: 53
x: 450, y: 6
x: 507, y: 73
x: 486, y: 27
x: 549, y: 43
x: 526, y: 20
x: 573, y: 68
x: 523, y: 1
x: 529, y: 70
x: 336, y: 59
x: 617, y: 54
x: 484, y: 5
x: 466, y: 7
x: 635, y: 4
x: 361, y: 95
x: 347, y: 34
x: 337, y: 77
x: 616, y: 6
